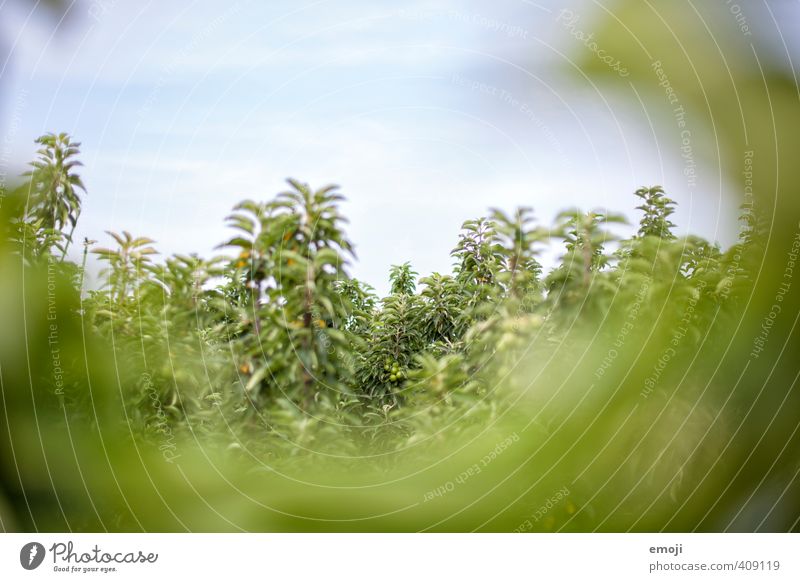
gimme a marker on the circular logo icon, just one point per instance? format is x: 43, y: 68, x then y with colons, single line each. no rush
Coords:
x: 31, y: 555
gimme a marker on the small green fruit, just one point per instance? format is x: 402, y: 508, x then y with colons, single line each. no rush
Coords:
x: 393, y: 378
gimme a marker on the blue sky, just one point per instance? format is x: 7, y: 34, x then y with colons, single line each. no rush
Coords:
x: 425, y: 115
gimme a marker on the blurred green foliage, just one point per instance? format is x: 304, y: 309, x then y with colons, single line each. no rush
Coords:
x: 646, y: 383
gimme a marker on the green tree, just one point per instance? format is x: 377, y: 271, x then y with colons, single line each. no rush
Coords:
x: 295, y: 252
x: 441, y: 312
x: 575, y: 282
x: 519, y: 243
x: 657, y: 209
x: 403, y: 279
x: 391, y: 344
x: 129, y: 266
x: 479, y: 260
x: 54, y: 202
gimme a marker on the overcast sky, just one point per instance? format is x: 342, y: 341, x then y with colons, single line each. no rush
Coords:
x: 184, y: 110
